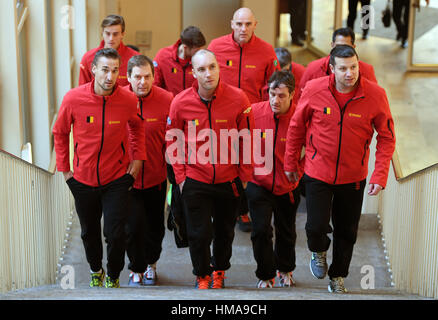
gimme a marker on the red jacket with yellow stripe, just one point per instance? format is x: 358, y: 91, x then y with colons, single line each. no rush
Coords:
x: 337, y: 138
x: 99, y: 134
x: 85, y: 74
x: 154, y: 110
x: 171, y: 73
x: 270, y: 133
x: 203, y: 158
x: 248, y: 66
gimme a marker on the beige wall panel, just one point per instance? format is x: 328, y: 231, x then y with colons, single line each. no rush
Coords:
x: 266, y: 15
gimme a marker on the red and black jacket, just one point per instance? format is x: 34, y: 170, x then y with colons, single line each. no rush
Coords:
x: 171, y: 73
x: 267, y: 125
x: 337, y: 138
x: 248, y: 66
x: 154, y: 110
x: 229, y: 109
x: 100, y: 137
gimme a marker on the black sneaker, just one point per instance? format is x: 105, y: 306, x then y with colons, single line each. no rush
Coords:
x: 244, y: 223
x: 318, y: 264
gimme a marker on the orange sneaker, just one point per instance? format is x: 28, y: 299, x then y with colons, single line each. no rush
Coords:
x: 218, y: 280
x: 203, y: 282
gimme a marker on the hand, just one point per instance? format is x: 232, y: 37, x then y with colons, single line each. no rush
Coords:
x: 244, y: 184
x: 134, y: 168
x: 67, y: 175
x: 292, y: 176
x: 374, y: 189
x: 181, y: 186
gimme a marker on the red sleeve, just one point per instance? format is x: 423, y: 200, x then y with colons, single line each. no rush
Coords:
x: 61, y: 134
x: 158, y: 74
x: 296, y: 134
x: 175, y: 141
x: 136, y: 136
x: 384, y: 125
x: 85, y: 75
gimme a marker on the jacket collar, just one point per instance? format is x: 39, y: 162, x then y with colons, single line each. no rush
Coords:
x: 360, y: 92
x: 91, y: 90
x: 120, y: 50
x: 217, y: 92
x: 249, y: 43
x: 148, y: 96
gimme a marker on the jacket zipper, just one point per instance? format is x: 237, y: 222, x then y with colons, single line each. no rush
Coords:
x: 341, y: 123
x: 313, y: 146
x: 101, y: 141
x: 364, y: 151
x: 273, y: 153
x: 240, y: 65
x: 123, y: 150
x: 184, y: 75
x: 211, y: 128
x: 77, y: 155
x: 389, y: 128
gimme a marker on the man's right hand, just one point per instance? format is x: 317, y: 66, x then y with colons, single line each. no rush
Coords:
x: 292, y: 176
x: 67, y: 175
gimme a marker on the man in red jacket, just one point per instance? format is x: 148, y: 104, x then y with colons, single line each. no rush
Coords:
x: 210, y: 169
x: 100, y: 112
x: 246, y: 62
x: 320, y: 68
x: 173, y: 68
x: 146, y: 222
x: 335, y: 120
x: 270, y: 192
x: 113, y: 31
x: 173, y: 72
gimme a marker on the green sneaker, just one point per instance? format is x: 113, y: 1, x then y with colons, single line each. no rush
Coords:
x: 97, y: 279
x: 111, y: 283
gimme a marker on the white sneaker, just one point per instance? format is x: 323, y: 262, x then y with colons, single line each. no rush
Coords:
x: 135, y: 279
x: 150, y: 276
x: 286, y: 279
x: 263, y: 284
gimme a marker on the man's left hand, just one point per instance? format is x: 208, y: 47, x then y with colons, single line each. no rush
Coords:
x: 374, y: 189
x: 134, y: 168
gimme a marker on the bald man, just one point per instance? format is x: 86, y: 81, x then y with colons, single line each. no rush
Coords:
x: 246, y: 62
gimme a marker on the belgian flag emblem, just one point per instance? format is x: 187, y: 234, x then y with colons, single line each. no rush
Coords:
x: 174, y: 70
x: 195, y: 122
x: 229, y: 63
x: 327, y: 110
x: 263, y: 135
x: 90, y: 119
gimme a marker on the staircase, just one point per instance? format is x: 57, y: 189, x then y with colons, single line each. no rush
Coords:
x: 176, y: 281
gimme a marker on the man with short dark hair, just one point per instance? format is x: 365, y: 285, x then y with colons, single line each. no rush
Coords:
x: 173, y: 68
x: 210, y: 172
x: 146, y: 220
x: 270, y: 193
x: 335, y: 120
x: 100, y: 113
x: 113, y: 32
x: 321, y: 67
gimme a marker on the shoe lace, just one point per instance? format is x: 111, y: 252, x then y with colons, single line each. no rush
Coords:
x: 244, y: 218
x: 150, y: 273
x: 320, y: 258
x: 338, y: 284
x: 218, y: 279
x: 203, y: 282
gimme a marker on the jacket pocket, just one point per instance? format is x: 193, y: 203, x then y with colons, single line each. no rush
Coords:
x: 365, y: 148
x: 77, y: 155
x: 311, y: 144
